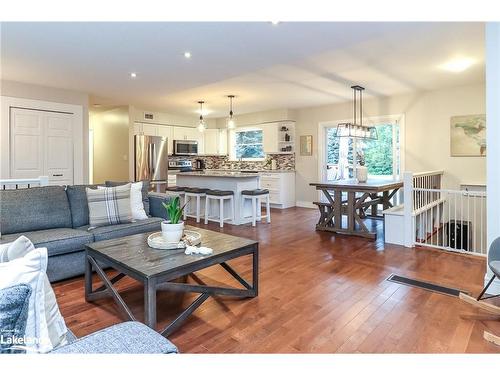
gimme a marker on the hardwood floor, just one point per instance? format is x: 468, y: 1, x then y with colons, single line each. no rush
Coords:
x: 318, y: 293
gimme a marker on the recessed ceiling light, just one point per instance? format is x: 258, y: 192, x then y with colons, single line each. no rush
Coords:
x: 97, y: 105
x: 187, y: 55
x: 133, y: 75
x: 458, y: 64
x: 275, y: 22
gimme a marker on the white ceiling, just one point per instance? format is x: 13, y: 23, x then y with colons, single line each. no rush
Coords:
x: 266, y: 66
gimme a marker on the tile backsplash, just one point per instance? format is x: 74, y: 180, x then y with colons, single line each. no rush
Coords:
x: 283, y: 162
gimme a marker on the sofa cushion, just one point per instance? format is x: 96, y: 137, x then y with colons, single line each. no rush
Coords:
x: 77, y: 198
x: 34, y: 209
x: 123, y: 338
x: 57, y: 241
x: 145, y: 190
x: 120, y: 230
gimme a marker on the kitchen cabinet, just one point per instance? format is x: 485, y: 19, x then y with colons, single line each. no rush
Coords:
x: 281, y: 186
x: 171, y: 133
x: 215, y: 142
x: 278, y: 137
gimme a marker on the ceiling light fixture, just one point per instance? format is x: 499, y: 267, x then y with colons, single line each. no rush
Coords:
x: 231, y: 123
x: 187, y: 55
x: 133, y: 75
x: 201, y: 124
x: 353, y: 129
x: 458, y: 64
x: 275, y: 22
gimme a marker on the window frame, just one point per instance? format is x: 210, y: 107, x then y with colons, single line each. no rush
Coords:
x: 232, y: 148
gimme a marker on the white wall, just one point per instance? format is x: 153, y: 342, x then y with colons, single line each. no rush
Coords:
x: 258, y: 117
x: 50, y: 94
x: 427, y: 128
x: 111, y: 144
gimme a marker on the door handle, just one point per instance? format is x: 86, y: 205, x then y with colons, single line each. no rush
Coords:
x: 153, y: 158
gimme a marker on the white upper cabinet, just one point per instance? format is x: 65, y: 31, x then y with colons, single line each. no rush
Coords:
x: 215, y: 142
x: 279, y: 137
x: 270, y: 137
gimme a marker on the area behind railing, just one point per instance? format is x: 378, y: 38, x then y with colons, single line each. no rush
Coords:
x: 21, y: 183
x: 453, y: 220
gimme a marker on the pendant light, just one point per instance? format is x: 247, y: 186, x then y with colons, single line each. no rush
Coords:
x: 201, y: 125
x: 231, y: 123
x: 353, y: 129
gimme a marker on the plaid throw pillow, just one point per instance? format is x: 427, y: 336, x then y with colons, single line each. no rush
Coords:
x: 109, y: 206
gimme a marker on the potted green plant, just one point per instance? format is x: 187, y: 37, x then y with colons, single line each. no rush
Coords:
x: 173, y: 228
x: 361, y: 170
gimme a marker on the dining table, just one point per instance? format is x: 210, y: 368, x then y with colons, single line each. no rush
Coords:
x: 354, y: 199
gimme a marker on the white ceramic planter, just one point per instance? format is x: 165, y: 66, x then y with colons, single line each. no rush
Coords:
x: 361, y: 174
x: 172, y: 232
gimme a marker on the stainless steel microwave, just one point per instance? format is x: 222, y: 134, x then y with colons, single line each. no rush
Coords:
x: 185, y: 147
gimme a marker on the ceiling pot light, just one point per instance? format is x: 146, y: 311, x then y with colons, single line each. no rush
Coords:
x: 354, y: 129
x: 201, y: 124
x: 187, y: 55
x: 458, y: 65
x: 231, y: 122
x: 275, y: 22
x: 133, y: 75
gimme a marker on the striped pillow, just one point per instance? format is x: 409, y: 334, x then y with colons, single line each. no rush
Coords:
x: 109, y: 206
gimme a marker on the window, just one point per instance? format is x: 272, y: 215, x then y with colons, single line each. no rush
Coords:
x: 248, y: 144
x: 381, y: 155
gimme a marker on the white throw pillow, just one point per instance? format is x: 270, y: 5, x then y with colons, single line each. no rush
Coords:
x: 55, y: 322
x: 136, y: 203
x: 30, y: 270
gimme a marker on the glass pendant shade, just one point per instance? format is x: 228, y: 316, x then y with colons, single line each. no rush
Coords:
x: 201, y: 125
x: 231, y: 123
x: 353, y: 129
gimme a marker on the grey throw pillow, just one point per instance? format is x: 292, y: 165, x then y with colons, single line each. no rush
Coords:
x: 109, y: 206
x: 14, y: 304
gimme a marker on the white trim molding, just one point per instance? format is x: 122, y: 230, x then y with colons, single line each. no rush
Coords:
x: 7, y: 102
x: 305, y: 204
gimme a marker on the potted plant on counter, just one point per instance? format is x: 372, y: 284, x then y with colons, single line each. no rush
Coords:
x: 173, y: 228
x: 361, y: 170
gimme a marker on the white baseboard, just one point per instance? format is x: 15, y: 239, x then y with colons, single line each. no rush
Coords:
x: 305, y: 204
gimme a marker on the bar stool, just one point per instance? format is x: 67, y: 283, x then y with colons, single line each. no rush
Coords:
x: 221, y: 196
x: 255, y: 196
x: 176, y: 191
x: 197, y: 193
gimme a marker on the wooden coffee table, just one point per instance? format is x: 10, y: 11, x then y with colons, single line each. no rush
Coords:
x: 131, y: 256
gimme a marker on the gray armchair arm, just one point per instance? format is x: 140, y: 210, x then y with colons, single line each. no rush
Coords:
x: 156, y: 208
x: 123, y: 338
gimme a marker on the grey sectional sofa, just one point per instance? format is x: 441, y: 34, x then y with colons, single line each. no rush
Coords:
x: 57, y: 218
x: 123, y: 338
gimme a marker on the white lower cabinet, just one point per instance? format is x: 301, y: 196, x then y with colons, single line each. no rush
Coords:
x: 281, y: 186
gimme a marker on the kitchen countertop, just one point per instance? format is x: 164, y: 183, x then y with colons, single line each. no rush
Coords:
x: 212, y: 173
x: 254, y: 170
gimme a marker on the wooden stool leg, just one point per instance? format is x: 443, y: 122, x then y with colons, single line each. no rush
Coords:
x: 221, y: 212
x: 254, y: 210
x: 488, y: 336
x: 207, y: 205
x: 232, y: 209
x: 187, y: 207
x: 268, y: 209
x: 198, y: 208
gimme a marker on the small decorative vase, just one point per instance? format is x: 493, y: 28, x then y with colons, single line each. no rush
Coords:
x: 172, y: 232
x: 361, y: 174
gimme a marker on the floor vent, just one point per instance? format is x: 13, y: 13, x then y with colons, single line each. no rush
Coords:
x: 425, y: 285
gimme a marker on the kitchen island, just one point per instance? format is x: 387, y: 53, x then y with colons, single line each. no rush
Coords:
x: 224, y: 180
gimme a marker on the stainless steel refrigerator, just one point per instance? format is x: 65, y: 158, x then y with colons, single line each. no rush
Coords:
x: 151, y: 160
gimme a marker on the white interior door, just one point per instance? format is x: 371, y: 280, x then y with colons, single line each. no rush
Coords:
x: 59, y: 147
x: 26, y: 144
x: 42, y: 145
